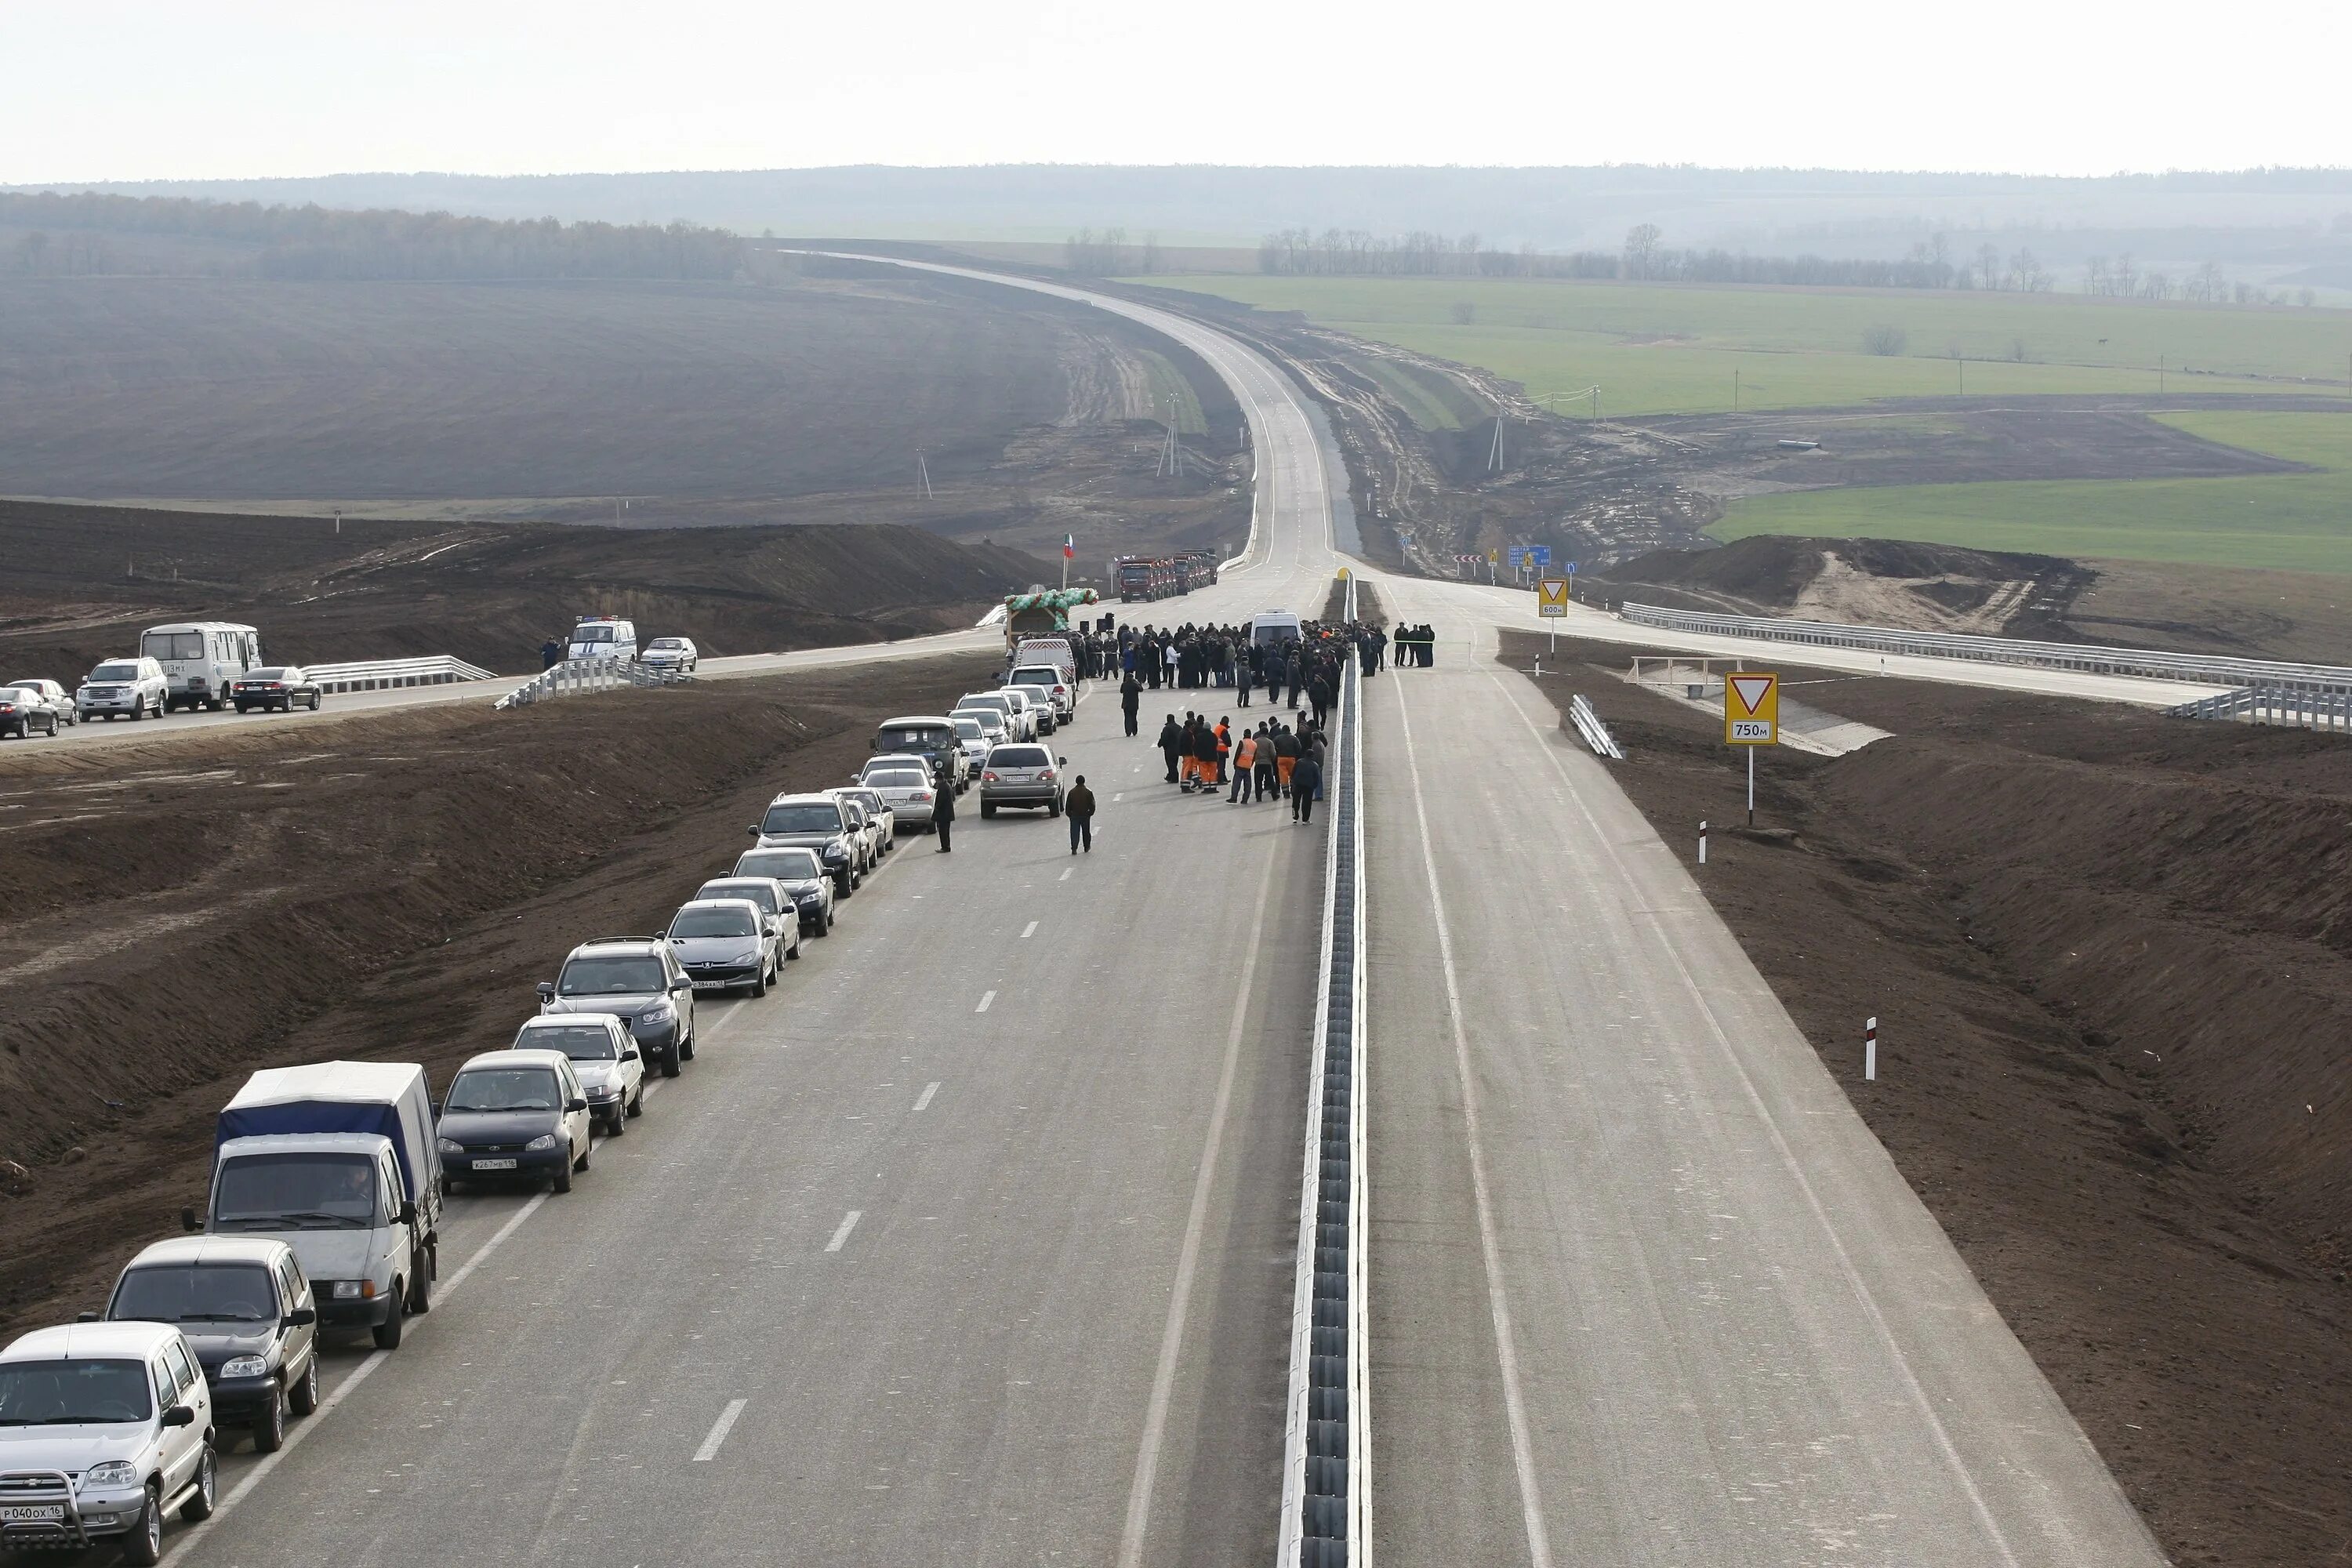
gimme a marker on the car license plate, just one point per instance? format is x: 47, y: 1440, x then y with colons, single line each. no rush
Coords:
x: 494, y: 1165
x: 712, y: 984
x: 32, y: 1513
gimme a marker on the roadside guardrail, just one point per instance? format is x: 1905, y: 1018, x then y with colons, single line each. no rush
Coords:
x: 2322, y: 709
x: 1327, y: 1451
x: 1596, y: 734
x: 2204, y: 669
x: 383, y: 674
x: 579, y: 677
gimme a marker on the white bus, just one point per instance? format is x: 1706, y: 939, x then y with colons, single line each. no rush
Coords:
x: 200, y: 659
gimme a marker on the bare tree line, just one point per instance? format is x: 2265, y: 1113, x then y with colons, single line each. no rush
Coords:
x: 312, y: 242
x: 1930, y: 264
x: 1108, y: 254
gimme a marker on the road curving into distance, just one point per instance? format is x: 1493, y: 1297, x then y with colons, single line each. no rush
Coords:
x: 973, y: 1243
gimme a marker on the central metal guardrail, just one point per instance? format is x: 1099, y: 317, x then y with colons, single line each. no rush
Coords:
x: 383, y: 674
x: 579, y: 677
x: 2202, y: 669
x: 1327, y: 1454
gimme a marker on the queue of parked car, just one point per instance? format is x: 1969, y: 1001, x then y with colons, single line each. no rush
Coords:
x: 325, y: 1201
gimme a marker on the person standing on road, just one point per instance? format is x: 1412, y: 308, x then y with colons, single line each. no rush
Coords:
x: 1285, y: 758
x: 943, y: 805
x: 1264, y: 779
x: 1244, y: 676
x: 1306, y: 783
x: 1319, y: 696
x: 1171, y: 744
x: 1079, y: 807
x: 1130, y: 698
x: 1244, y: 768
x: 1204, y: 755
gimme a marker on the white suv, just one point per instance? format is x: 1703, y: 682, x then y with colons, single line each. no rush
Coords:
x: 132, y: 686
x: 104, y: 1428
x: 1043, y: 682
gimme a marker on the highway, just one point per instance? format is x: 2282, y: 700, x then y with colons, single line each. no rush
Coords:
x: 986, y: 1217
x: 974, y: 1242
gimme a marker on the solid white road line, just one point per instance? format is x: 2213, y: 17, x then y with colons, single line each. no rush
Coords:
x: 1028, y: 930
x: 298, y: 1431
x: 1852, y: 1272
x: 840, y: 1231
x: 985, y: 999
x: 1507, y: 1353
x: 719, y: 1430
x: 924, y: 1098
x: 1171, y: 1337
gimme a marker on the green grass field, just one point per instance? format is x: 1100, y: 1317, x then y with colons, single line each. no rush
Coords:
x: 2295, y: 522
x: 1655, y: 349
x: 1169, y: 387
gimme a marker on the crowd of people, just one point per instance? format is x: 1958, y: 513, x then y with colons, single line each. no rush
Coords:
x: 1201, y: 657
x: 1273, y: 759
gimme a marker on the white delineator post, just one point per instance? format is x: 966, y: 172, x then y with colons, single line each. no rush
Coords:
x: 1702, y: 843
x: 1870, y: 1051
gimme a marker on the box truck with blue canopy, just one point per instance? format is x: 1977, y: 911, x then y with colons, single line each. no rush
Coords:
x: 336, y: 1160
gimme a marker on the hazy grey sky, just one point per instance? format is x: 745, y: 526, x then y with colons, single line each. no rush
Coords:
x: 93, y: 90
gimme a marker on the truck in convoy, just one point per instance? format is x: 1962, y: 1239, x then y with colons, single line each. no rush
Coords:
x: 336, y: 1160
x: 1043, y: 612
x: 1196, y: 569
x: 1143, y: 577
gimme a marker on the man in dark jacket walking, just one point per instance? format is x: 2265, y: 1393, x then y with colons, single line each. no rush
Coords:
x: 1130, y: 698
x: 1305, y: 780
x: 1171, y: 744
x: 943, y: 803
x: 1079, y: 807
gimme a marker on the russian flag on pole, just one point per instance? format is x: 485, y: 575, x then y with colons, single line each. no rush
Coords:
x: 1069, y: 547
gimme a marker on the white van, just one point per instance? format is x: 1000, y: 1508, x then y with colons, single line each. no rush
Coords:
x: 603, y: 637
x: 200, y: 659
x: 1271, y: 629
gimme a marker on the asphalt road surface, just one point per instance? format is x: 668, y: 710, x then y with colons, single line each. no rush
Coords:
x: 970, y: 1243
x: 973, y: 1243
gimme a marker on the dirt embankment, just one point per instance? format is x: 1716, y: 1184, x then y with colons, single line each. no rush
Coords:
x: 83, y: 581
x: 2112, y: 963
x: 2301, y: 617
x: 176, y: 914
x: 1862, y: 581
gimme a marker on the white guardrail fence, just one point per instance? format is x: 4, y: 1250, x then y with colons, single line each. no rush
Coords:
x: 1596, y: 734
x: 383, y: 674
x: 1326, y: 1448
x: 579, y: 677
x: 2202, y: 669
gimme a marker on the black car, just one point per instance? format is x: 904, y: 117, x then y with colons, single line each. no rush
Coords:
x: 280, y: 686
x: 24, y: 711
x: 248, y: 1314
x: 520, y: 1114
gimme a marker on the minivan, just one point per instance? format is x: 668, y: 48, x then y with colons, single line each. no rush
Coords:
x: 200, y: 658
x: 603, y: 637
